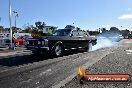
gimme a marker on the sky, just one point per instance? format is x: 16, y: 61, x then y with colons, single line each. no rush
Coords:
x: 86, y: 14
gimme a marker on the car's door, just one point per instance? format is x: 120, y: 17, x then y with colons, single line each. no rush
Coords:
x: 74, y: 39
x: 83, y: 39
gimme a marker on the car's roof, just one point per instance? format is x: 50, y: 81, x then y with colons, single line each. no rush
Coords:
x: 65, y: 29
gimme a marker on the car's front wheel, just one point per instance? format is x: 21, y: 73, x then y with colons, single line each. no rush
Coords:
x: 58, y: 50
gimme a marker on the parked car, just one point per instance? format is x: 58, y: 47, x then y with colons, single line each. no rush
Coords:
x: 62, y: 39
x: 20, y: 40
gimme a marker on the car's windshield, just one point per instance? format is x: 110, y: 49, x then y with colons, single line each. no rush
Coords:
x: 62, y: 32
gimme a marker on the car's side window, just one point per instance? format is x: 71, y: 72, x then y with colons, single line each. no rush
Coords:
x: 81, y: 33
x: 75, y: 33
x: 87, y: 34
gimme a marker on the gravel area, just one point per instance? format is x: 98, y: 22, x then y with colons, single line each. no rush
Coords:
x: 118, y: 62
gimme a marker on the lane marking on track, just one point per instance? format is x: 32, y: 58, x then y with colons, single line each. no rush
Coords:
x: 128, y: 42
x: 129, y: 52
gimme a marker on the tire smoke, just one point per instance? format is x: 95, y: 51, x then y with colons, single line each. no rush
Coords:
x: 105, y: 41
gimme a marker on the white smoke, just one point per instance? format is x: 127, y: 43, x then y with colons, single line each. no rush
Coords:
x: 103, y: 42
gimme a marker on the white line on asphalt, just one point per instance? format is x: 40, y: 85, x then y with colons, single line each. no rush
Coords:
x: 128, y: 42
x: 129, y: 51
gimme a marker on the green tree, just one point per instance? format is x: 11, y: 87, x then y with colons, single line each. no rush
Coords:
x: 125, y: 32
x: 70, y: 26
x: 14, y: 29
x: 1, y: 28
x: 114, y: 29
x: 40, y: 25
x: 103, y: 30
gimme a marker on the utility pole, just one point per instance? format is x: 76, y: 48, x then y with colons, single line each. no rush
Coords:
x: 15, y: 15
x: 0, y: 25
x: 10, y: 13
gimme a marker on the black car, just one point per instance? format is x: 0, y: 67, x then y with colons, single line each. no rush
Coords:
x: 62, y: 39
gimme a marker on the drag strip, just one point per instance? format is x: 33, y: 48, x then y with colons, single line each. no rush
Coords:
x: 51, y: 72
x: 19, y: 61
x: 48, y: 73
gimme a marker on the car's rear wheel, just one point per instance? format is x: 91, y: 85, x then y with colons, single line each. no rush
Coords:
x: 58, y: 50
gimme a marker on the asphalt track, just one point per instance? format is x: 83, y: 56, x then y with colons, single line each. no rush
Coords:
x: 28, y: 71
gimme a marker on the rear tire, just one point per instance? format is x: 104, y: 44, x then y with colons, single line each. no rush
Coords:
x: 58, y: 50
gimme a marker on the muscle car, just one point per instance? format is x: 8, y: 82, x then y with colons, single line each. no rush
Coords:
x: 62, y: 39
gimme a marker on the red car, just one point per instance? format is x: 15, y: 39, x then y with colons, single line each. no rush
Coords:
x: 19, y: 41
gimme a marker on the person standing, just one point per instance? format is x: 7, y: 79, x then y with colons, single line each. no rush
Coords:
x: 50, y: 31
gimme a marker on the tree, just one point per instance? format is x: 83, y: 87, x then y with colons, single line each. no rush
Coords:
x: 34, y: 30
x: 78, y: 28
x: 14, y: 29
x: 1, y: 28
x: 114, y: 29
x: 125, y: 33
x: 27, y: 29
x: 40, y: 25
x: 70, y: 27
x: 103, y: 30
